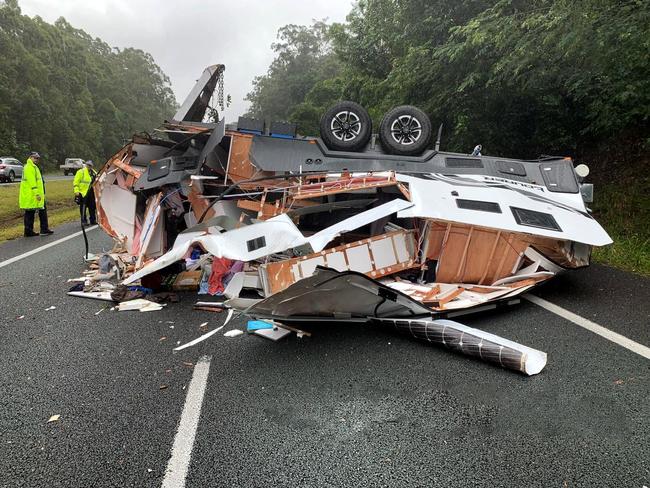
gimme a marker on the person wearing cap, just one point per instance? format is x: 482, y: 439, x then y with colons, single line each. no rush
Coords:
x: 83, y: 192
x: 32, y: 196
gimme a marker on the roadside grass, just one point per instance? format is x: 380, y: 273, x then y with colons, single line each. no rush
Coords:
x: 623, y: 209
x: 60, y: 207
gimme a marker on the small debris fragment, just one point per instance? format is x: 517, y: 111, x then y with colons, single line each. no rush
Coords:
x: 139, y: 304
x: 164, y: 387
x: 274, y: 334
x: 188, y: 364
x: 257, y: 325
x: 54, y: 418
x: 233, y: 333
x: 50, y: 308
x: 20, y: 317
x: 163, y: 338
x: 198, y: 339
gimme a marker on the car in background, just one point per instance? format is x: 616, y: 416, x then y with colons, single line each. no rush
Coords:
x: 10, y: 169
x: 71, y: 165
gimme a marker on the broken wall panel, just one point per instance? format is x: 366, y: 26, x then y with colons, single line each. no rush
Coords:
x: 375, y: 257
x: 151, y: 237
x: 475, y: 255
x: 239, y: 166
x: 471, y: 254
x: 119, y: 208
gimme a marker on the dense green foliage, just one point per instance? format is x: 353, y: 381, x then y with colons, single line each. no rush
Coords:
x: 66, y: 94
x: 522, y: 77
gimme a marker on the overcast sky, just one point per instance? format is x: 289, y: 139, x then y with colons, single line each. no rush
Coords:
x: 186, y: 36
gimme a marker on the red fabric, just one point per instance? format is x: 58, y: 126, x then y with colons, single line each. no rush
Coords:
x: 220, y: 267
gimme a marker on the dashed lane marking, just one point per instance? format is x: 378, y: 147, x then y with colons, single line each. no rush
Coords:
x: 179, y: 461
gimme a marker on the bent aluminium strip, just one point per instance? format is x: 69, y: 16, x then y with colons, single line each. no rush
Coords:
x: 473, y: 342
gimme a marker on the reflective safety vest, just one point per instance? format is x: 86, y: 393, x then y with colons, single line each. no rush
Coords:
x: 31, y: 186
x: 83, y: 178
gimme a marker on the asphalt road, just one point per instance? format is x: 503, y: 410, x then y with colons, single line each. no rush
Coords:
x: 46, y: 177
x: 350, y: 406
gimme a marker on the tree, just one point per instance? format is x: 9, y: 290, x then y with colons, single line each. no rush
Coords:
x: 303, y: 58
x: 66, y: 94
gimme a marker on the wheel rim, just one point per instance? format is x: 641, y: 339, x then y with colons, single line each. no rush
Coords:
x: 346, y: 126
x: 11, y: 176
x: 406, y: 130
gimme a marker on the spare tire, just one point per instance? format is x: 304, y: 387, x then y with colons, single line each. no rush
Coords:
x: 405, y: 130
x: 346, y: 127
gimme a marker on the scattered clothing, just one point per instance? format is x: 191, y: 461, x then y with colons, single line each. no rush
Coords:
x: 220, y: 267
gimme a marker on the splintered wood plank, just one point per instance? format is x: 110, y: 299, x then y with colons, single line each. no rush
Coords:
x: 440, y: 301
x: 264, y: 210
x: 340, y: 185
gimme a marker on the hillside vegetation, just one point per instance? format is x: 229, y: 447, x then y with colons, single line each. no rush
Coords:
x: 66, y: 94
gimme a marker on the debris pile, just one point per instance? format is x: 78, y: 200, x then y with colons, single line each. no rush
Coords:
x: 292, y: 229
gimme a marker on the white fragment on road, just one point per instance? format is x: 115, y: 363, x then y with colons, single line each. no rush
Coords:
x: 50, y: 308
x: 139, y: 304
x: 179, y: 462
x: 233, y: 333
x: 610, y: 335
x: 54, y: 418
x: 20, y: 317
x: 43, y: 248
x: 198, y: 339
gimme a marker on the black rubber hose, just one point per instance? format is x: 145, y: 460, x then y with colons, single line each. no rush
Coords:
x: 83, y: 228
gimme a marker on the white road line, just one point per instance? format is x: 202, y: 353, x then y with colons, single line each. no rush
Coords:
x: 610, y: 335
x: 43, y: 248
x: 179, y: 462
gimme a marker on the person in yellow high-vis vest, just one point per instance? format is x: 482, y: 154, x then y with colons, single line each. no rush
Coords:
x: 32, y: 196
x: 83, y: 192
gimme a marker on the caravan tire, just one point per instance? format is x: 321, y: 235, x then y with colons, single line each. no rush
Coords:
x: 405, y: 130
x: 346, y: 127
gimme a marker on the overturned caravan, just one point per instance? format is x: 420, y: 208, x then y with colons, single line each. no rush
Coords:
x: 324, y: 234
